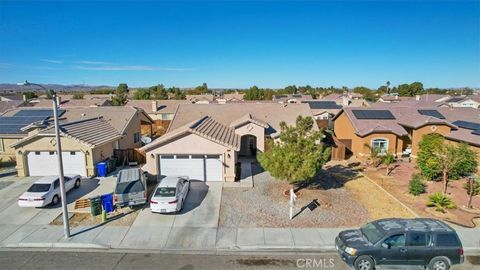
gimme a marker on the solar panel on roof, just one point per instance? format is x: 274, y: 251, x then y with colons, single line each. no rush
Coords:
x: 467, y: 125
x: 455, y: 99
x: 11, y: 129
x: 20, y: 120
x: 373, y: 114
x: 433, y: 113
x: 39, y: 113
x: 322, y: 104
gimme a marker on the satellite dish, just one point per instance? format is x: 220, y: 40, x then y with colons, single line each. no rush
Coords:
x: 146, y: 140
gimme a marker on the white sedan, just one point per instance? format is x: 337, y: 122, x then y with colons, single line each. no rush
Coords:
x: 46, y: 190
x: 170, y: 194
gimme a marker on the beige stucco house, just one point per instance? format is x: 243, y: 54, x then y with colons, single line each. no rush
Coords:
x: 207, y: 142
x: 398, y: 130
x: 88, y: 136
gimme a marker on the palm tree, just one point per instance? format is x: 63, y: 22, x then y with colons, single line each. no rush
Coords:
x: 388, y: 87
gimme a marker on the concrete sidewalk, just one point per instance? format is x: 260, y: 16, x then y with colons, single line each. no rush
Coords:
x: 188, y: 239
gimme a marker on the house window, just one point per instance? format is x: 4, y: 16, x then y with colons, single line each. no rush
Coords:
x: 72, y: 154
x: 136, y: 137
x: 166, y: 116
x: 37, y: 153
x: 52, y: 153
x: 381, y: 145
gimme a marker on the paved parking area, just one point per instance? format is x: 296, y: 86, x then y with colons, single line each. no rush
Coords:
x: 174, y: 231
x: 31, y: 224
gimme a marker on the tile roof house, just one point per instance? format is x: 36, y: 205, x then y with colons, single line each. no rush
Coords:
x: 426, y: 100
x: 399, y: 129
x: 346, y: 99
x: 472, y: 101
x: 158, y: 109
x: 291, y: 98
x: 88, y: 136
x: 67, y: 102
x: 6, y: 106
x: 201, y: 99
x: 323, y: 109
x: 206, y: 141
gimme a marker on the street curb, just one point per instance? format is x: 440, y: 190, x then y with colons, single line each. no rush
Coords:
x: 246, y: 250
x: 57, y: 245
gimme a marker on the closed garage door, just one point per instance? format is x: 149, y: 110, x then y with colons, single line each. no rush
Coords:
x: 46, y: 163
x: 197, y: 167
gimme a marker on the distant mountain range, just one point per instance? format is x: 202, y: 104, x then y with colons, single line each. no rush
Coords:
x: 10, y: 88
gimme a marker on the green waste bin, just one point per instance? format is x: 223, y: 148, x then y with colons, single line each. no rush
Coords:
x: 95, y: 205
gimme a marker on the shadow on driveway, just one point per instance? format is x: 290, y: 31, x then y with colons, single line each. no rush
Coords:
x: 88, y: 185
x: 196, y: 195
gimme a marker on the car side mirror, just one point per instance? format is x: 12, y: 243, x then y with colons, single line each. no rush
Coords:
x: 385, y: 245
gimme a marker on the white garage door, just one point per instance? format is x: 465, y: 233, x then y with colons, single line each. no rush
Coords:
x: 45, y: 163
x: 214, y: 168
x: 197, y: 167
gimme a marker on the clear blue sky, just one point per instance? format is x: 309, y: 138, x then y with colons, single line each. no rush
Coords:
x: 239, y: 44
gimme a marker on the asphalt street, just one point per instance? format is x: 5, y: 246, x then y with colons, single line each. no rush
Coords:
x: 27, y: 259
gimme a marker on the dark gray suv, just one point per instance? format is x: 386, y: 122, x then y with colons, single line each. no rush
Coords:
x: 421, y: 241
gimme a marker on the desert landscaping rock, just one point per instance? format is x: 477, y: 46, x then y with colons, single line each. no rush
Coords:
x: 266, y: 206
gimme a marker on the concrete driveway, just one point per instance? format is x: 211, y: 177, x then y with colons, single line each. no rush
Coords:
x: 18, y: 223
x: 174, y: 231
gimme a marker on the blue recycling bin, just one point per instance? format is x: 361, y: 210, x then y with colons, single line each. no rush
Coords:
x: 102, y: 169
x: 107, y: 202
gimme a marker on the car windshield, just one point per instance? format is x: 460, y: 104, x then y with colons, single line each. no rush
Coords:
x: 39, y: 188
x: 371, y: 233
x: 129, y: 187
x: 165, y: 192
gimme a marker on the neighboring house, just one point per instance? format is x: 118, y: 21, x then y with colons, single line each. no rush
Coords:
x: 200, y: 99
x: 349, y: 99
x: 426, y: 100
x: 88, y: 136
x: 291, y: 98
x: 233, y: 96
x: 6, y: 106
x: 391, y: 98
x: 12, y: 97
x: 398, y: 130
x: 67, y: 103
x: 208, y: 142
x: 158, y: 109
x: 228, y: 98
x: 464, y: 101
x: 161, y: 111
x: 16, y: 124
x: 323, y: 111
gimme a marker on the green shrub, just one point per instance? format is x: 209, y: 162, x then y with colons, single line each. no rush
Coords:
x: 440, y: 202
x: 427, y: 161
x: 417, y: 186
x: 475, y: 189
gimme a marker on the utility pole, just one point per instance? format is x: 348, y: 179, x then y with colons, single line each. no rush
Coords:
x: 63, y: 195
x: 66, y: 225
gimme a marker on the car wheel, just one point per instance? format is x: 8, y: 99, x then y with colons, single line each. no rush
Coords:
x: 55, y: 200
x: 439, y: 263
x: 77, y: 183
x: 364, y: 263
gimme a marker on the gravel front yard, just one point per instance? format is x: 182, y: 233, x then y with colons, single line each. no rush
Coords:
x: 266, y: 206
